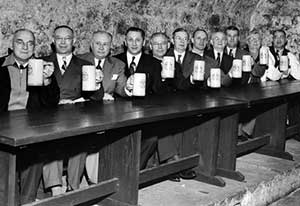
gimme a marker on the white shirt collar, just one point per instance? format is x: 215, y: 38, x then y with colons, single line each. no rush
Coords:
x: 136, y: 59
x: 18, y: 63
x: 176, y: 53
x: 96, y: 61
x: 60, y: 59
x: 233, y: 51
x: 216, y: 54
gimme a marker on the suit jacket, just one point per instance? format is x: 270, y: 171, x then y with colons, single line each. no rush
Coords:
x: 114, y: 80
x: 188, y: 66
x: 239, y: 53
x: 70, y: 83
x: 151, y: 67
x: 226, y: 62
x: 39, y: 97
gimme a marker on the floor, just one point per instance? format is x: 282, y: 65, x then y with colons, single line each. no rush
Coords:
x: 268, y: 181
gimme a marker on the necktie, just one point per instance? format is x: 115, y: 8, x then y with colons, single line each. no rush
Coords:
x: 132, y: 66
x: 230, y: 53
x: 64, y: 66
x: 22, y: 67
x: 99, y: 65
x: 277, y: 58
x: 179, y: 59
x: 219, y: 59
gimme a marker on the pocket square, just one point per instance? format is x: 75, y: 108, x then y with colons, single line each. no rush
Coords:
x: 114, y: 77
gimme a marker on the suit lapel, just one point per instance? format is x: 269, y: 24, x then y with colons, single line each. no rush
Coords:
x: 141, y: 63
x: 187, y: 63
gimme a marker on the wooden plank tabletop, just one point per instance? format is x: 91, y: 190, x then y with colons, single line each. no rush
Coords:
x: 19, y: 128
x: 261, y: 93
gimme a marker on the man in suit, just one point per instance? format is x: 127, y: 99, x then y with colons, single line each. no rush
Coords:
x: 232, y: 48
x: 200, y: 40
x: 114, y: 79
x: 137, y: 61
x: 15, y: 94
x: 114, y: 82
x: 277, y: 50
x: 68, y: 73
x: 219, y: 41
x: 166, y: 147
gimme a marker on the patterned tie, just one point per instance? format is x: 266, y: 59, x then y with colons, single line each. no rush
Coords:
x: 230, y: 53
x: 277, y: 58
x: 99, y: 65
x: 64, y: 66
x: 132, y: 66
x: 219, y: 59
x: 179, y: 59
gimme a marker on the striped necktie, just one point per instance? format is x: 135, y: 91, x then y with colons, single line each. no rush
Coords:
x: 132, y: 66
x: 64, y: 66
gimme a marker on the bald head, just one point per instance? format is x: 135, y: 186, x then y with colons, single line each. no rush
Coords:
x: 101, y: 44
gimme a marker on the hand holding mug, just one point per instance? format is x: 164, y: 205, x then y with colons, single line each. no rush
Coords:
x: 108, y: 97
x: 47, y: 72
x: 99, y: 78
x: 129, y: 83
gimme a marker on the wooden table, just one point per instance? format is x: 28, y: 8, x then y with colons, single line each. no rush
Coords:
x: 269, y: 100
x: 118, y: 125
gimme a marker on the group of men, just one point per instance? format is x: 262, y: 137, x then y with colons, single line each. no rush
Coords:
x: 62, y: 85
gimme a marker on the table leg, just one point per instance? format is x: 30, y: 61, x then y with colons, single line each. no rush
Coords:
x: 273, y: 121
x: 119, y: 157
x: 8, y: 178
x: 227, y: 148
x: 294, y: 119
x: 202, y: 137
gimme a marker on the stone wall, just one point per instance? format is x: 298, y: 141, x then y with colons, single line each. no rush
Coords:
x: 115, y: 16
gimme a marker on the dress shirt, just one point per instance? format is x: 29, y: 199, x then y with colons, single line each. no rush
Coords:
x: 233, y: 51
x: 61, y: 62
x: 136, y: 59
x: 97, y: 61
x: 176, y: 53
x: 216, y: 55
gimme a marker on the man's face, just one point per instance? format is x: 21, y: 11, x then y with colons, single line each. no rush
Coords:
x: 200, y: 40
x: 232, y: 38
x: 181, y: 40
x: 279, y: 40
x: 159, y: 46
x: 63, y: 40
x: 23, y: 45
x: 254, y: 41
x: 218, y: 41
x: 101, y: 45
x: 134, y: 42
